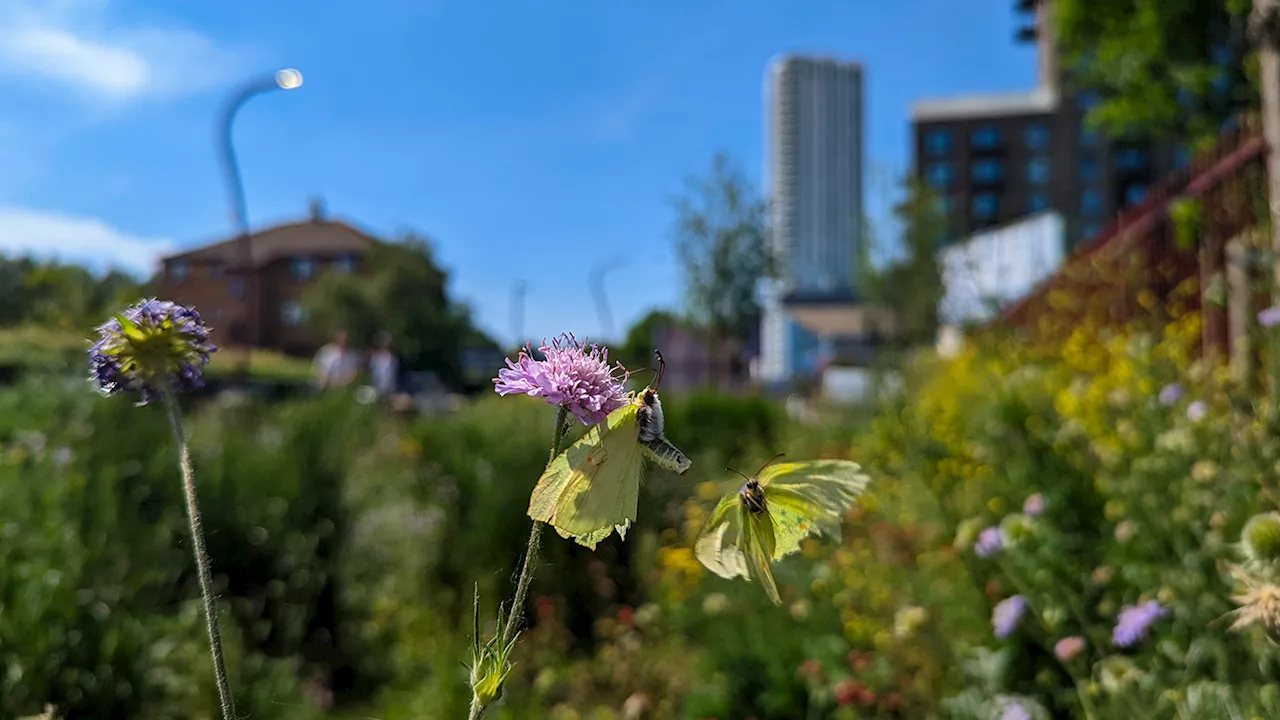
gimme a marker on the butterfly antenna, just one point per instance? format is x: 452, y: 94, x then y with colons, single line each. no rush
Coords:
x: 735, y: 472
x: 662, y: 369
x: 643, y: 369
x: 769, y: 462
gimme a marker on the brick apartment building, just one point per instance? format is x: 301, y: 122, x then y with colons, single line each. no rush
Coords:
x: 249, y: 289
x: 997, y: 159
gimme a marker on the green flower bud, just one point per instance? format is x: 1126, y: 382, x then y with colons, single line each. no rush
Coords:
x: 1016, y: 527
x: 1261, y: 538
x: 967, y: 533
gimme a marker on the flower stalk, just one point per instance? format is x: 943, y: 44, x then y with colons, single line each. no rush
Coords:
x: 489, y: 664
x: 203, y: 566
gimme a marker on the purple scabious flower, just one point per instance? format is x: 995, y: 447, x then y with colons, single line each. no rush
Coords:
x: 989, y: 543
x: 1014, y: 711
x: 1007, y: 614
x: 152, y: 345
x: 1034, y: 505
x: 1171, y: 393
x: 1134, y: 621
x: 1270, y: 317
x: 572, y: 375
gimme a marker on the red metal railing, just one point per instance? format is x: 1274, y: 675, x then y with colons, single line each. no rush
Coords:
x: 1225, y: 181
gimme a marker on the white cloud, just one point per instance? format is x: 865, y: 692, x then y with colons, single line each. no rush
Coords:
x: 77, y: 44
x: 84, y: 240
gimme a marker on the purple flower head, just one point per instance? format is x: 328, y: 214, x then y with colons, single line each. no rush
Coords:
x: 151, y: 345
x: 1270, y: 317
x: 1197, y: 410
x: 989, y: 542
x: 1134, y: 622
x: 571, y: 374
x: 1014, y: 711
x: 1007, y: 614
x: 1034, y: 505
x: 1068, y: 648
x: 1171, y: 393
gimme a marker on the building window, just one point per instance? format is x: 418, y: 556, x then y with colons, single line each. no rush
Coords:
x: 214, y: 268
x: 292, y: 314
x: 178, y: 271
x: 1091, y: 202
x: 986, y: 137
x: 1087, y: 101
x: 303, y: 268
x: 938, y: 142
x: 236, y: 286
x: 986, y: 171
x: 1090, y: 230
x: 1038, y: 202
x: 940, y: 175
x: 984, y: 206
x: 345, y: 264
x: 1088, y: 170
x: 1135, y: 194
x: 1038, y: 171
x: 1037, y: 136
x: 1131, y: 159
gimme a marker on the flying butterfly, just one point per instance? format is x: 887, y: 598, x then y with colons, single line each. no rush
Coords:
x: 774, y: 510
x: 592, y: 488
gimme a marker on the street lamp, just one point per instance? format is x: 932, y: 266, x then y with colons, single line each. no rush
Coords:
x: 595, y: 279
x: 287, y: 79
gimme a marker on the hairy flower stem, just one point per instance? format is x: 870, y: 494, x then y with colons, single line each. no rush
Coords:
x: 202, y: 556
x: 535, y: 539
x: 526, y: 570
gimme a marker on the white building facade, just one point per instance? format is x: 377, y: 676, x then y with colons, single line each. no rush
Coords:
x: 993, y: 268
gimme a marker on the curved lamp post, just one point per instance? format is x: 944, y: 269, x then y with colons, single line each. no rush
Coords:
x: 595, y: 279
x: 287, y: 79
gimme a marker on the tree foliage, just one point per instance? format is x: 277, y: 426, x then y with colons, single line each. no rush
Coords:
x: 402, y: 292
x: 1173, y: 69
x: 912, y: 285
x: 721, y: 234
x: 61, y: 296
x: 636, y: 350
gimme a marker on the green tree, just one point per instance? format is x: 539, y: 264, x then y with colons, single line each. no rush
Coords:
x: 636, y: 350
x: 912, y: 285
x: 402, y: 292
x: 721, y: 234
x: 1173, y: 69
x: 60, y: 296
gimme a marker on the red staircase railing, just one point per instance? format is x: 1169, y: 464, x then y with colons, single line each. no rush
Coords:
x: 1140, y: 251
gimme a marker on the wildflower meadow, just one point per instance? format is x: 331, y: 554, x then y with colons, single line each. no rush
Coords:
x: 1082, y: 527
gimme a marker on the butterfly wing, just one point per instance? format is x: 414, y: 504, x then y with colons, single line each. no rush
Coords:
x: 760, y: 546
x: 593, y: 487
x: 720, y: 545
x: 809, y: 498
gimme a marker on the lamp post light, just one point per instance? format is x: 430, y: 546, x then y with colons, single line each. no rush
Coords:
x: 287, y: 79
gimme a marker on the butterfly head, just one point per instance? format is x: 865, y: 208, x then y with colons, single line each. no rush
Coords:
x: 752, y: 492
x: 752, y: 496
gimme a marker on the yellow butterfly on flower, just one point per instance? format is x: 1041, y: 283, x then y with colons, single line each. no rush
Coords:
x: 766, y: 518
x: 593, y: 487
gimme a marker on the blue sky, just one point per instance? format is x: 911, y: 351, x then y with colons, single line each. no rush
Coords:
x: 529, y: 139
